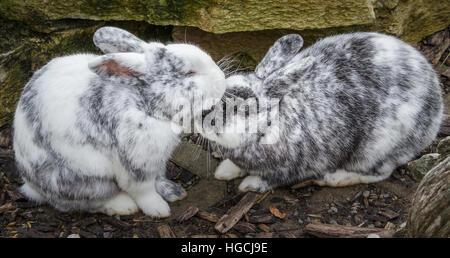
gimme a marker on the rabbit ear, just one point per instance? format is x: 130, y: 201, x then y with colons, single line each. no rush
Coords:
x: 283, y: 50
x: 115, y: 40
x: 118, y: 64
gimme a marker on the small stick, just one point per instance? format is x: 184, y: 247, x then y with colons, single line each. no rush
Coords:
x: 211, y: 217
x: 165, y: 231
x: 329, y: 230
x: 263, y: 197
x: 227, y: 221
x: 187, y: 214
x: 303, y: 184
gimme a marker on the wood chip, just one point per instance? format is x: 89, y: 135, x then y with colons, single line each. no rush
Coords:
x: 287, y: 234
x: 276, y: 212
x: 317, y: 216
x: 245, y: 227
x: 211, y: 217
x: 262, y: 218
x: 357, y: 195
x: 390, y: 214
x: 6, y: 207
x: 264, y: 227
x: 6, y: 154
x: 227, y: 221
x: 366, y: 203
x: 165, y: 231
x: 15, y: 195
x: 229, y: 235
x: 389, y: 225
x: 265, y: 235
x: 291, y: 200
x: 262, y: 235
x: 187, y: 214
x: 331, y: 230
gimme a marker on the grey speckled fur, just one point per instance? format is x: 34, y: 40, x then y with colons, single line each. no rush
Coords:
x: 364, y: 103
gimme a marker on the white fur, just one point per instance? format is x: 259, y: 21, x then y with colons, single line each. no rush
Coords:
x: 227, y: 170
x: 122, y: 204
x: 146, y: 141
x: 253, y: 184
x: 29, y: 191
x: 344, y: 178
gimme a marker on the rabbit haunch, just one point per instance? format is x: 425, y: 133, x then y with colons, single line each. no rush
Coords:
x: 94, y: 133
x: 352, y: 108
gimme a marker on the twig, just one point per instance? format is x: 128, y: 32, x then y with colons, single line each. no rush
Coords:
x: 329, y: 230
x: 187, y: 214
x: 211, y: 217
x: 227, y: 221
x: 303, y: 184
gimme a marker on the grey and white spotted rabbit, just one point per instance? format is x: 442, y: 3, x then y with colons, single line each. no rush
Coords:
x: 94, y: 133
x: 351, y: 109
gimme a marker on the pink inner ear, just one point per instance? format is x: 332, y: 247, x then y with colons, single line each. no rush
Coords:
x: 112, y: 68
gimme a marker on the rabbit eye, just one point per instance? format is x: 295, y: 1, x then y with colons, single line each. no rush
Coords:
x: 191, y: 73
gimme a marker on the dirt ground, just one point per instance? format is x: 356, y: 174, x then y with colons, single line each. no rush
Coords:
x: 380, y: 205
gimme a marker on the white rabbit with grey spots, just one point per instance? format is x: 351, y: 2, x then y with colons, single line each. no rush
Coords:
x: 351, y: 108
x: 94, y: 133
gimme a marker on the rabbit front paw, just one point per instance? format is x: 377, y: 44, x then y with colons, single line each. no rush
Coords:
x: 169, y: 190
x: 154, y: 205
x: 121, y: 204
x: 254, y: 184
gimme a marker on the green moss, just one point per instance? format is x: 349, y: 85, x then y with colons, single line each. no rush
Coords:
x: 16, y: 69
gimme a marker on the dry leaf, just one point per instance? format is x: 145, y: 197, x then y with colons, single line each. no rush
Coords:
x: 276, y: 212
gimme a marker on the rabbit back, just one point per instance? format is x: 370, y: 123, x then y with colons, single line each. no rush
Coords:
x: 365, y: 102
x: 51, y: 148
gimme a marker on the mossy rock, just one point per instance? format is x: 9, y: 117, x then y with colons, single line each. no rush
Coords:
x: 218, y: 16
x: 409, y: 19
x: 420, y: 167
x: 444, y: 146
